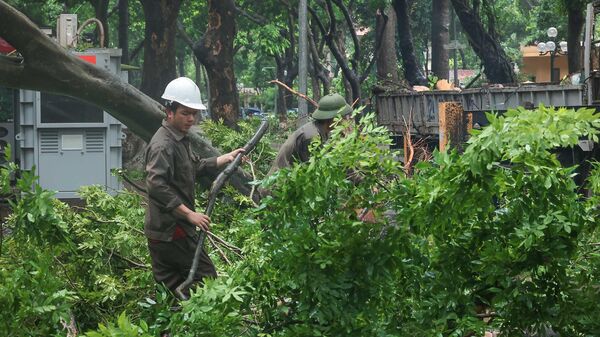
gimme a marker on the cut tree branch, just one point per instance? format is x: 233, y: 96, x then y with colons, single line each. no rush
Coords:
x: 48, y: 67
x: 308, y: 99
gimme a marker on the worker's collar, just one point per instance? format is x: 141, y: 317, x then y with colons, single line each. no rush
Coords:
x: 176, y: 134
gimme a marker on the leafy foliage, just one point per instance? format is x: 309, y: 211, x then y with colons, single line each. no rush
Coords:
x: 497, y: 231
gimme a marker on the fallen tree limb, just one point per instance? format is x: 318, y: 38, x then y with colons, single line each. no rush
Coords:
x: 46, y: 66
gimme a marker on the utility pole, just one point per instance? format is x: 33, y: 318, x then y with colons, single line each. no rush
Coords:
x: 302, y: 61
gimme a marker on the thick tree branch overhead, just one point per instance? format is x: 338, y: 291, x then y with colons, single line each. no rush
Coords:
x: 46, y: 66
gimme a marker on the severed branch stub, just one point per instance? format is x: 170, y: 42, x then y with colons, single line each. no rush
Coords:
x: 308, y: 99
x: 212, y: 197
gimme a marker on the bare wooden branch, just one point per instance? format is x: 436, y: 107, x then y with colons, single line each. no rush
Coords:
x: 132, y: 263
x: 184, y: 35
x: 136, y: 50
x: 221, y: 253
x: 256, y: 18
x: 408, y: 158
x: 378, y: 45
x: 237, y: 251
x: 308, y: 99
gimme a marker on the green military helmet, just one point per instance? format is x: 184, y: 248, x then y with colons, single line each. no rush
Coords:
x: 330, y: 106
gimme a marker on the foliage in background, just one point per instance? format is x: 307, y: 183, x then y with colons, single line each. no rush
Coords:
x: 227, y: 140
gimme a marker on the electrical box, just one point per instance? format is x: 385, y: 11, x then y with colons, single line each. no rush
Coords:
x: 71, y: 143
x: 66, y: 30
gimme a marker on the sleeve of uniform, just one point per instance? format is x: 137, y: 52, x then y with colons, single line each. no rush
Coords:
x: 159, y: 164
x: 206, y: 166
x: 285, y: 155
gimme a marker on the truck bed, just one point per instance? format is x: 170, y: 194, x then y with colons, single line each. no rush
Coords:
x: 394, y: 108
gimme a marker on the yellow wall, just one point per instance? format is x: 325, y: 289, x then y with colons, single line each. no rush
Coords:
x: 539, y: 65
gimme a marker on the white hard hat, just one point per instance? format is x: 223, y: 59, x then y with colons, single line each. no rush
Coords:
x: 185, y: 92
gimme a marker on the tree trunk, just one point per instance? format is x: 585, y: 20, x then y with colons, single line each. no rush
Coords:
x: 159, y: 45
x: 463, y: 59
x: 576, y: 18
x: 46, y: 66
x: 387, y: 62
x: 412, y: 71
x: 336, y: 43
x: 321, y: 73
x: 101, y: 12
x: 215, y: 51
x: 440, y: 36
x: 498, y: 68
x: 181, y: 62
x: 124, y: 30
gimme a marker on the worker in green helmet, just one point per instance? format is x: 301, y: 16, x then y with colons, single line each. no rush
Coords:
x: 295, y: 148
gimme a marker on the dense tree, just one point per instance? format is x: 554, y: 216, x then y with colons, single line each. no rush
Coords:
x: 215, y: 51
x: 159, y: 45
x: 498, y: 68
x: 412, y: 69
x: 270, y: 30
x: 357, y: 67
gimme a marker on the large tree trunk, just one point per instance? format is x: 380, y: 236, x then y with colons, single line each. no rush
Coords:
x: 440, y: 36
x: 215, y: 51
x: 412, y: 71
x: 124, y: 30
x: 46, y: 66
x: 576, y: 18
x: 387, y: 62
x: 498, y: 69
x: 159, y: 45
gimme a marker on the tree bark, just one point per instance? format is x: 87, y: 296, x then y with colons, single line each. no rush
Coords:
x: 498, y: 68
x: 46, y: 66
x: 159, y: 45
x: 440, y: 36
x: 124, y: 30
x: 181, y: 62
x: 576, y: 20
x: 215, y: 50
x: 412, y: 71
x: 387, y: 62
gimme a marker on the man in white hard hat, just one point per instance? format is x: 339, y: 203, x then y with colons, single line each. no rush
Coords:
x: 171, y: 219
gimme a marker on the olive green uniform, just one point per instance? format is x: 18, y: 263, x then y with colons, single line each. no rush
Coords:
x: 295, y: 148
